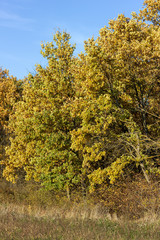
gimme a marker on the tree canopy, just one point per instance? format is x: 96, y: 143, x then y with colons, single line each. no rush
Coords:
x: 10, y: 93
x: 92, y: 119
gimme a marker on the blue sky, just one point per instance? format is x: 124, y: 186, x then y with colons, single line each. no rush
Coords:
x: 24, y: 24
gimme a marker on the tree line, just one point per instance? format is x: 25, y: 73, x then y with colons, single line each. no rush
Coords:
x: 90, y: 120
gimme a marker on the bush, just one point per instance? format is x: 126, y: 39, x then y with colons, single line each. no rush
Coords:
x: 131, y: 198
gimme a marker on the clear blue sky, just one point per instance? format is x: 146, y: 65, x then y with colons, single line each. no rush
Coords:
x: 24, y: 24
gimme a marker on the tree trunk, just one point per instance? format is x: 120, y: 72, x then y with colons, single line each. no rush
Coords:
x: 68, y: 192
x: 144, y: 172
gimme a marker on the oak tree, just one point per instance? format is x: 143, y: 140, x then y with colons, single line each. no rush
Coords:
x: 42, y: 122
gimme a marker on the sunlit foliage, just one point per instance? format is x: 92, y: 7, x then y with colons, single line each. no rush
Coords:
x: 94, y: 119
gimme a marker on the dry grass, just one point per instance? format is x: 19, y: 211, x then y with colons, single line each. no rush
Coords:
x: 29, y: 212
x: 79, y: 212
x: 23, y: 222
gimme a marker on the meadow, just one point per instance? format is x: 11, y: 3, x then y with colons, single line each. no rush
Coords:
x: 29, y: 212
x: 25, y: 222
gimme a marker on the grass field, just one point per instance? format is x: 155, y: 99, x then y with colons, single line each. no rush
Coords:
x: 28, y: 212
x: 18, y: 223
